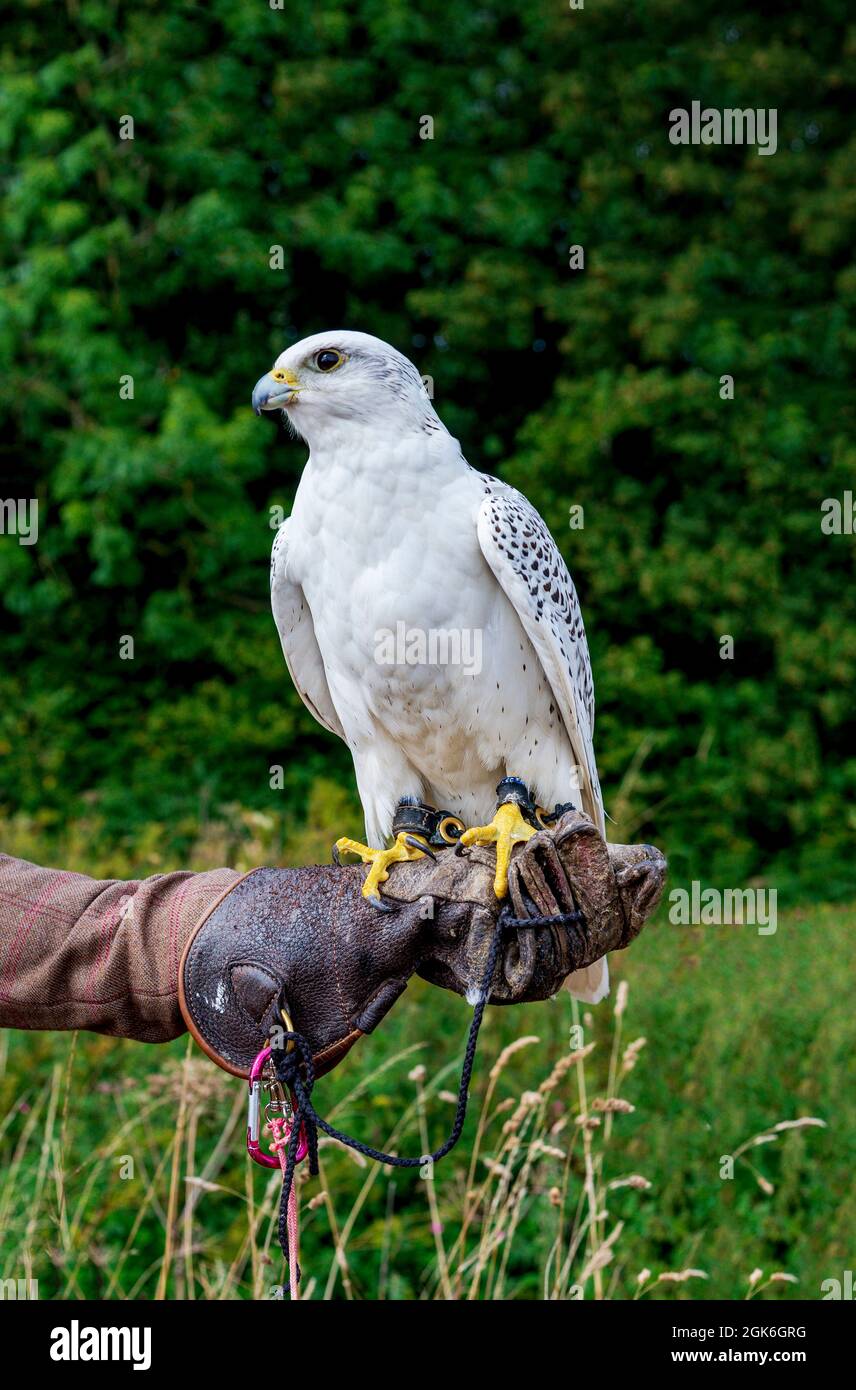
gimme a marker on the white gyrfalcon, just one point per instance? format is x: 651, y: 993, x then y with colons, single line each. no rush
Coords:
x: 392, y: 540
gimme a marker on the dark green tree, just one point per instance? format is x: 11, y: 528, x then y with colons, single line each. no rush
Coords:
x: 600, y: 387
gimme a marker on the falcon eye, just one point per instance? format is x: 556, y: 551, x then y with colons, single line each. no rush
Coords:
x: 327, y: 359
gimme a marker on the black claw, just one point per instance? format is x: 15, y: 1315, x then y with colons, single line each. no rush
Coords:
x: 335, y: 856
x: 378, y: 902
x: 459, y: 848
x: 412, y: 841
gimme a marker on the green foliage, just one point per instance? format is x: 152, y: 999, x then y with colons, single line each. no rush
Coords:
x: 299, y: 127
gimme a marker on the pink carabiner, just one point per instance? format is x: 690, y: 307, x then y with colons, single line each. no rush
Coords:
x: 254, y: 1148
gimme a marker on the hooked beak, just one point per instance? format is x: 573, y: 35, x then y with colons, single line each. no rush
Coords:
x: 270, y: 394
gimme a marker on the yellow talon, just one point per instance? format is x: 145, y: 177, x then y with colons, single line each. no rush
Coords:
x: 404, y: 848
x: 507, y: 829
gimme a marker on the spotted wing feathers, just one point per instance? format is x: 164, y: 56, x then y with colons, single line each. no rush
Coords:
x: 529, y: 567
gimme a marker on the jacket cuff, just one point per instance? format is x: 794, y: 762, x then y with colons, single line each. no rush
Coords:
x: 97, y: 954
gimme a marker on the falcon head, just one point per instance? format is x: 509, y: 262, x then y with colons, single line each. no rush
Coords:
x: 333, y: 379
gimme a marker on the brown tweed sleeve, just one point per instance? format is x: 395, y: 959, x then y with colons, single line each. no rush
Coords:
x: 76, y: 952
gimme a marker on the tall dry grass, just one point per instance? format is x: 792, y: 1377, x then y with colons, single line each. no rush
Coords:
x: 547, y: 1150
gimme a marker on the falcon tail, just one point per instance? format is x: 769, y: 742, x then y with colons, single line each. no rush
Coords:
x: 591, y: 984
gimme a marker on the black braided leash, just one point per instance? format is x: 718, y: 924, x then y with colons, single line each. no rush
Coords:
x: 296, y: 1070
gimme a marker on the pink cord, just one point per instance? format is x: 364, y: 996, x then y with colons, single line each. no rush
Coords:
x: 293, y: 1237
x: 279, y: 1146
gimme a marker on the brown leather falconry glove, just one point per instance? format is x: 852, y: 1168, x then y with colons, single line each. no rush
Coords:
x: 221, y: 954
x: 305, y: 941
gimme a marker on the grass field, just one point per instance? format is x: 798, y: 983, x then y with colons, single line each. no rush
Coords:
x: 123, y: 1173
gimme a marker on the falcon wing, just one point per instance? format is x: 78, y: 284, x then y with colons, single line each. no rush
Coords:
x: 297, y: 635
x: 531, y: 572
